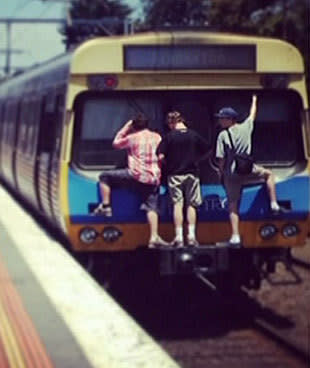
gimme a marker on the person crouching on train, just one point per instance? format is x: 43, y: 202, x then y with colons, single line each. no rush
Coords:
x: 181, y: 149
x: 235, y: 141
x: 143, y: 172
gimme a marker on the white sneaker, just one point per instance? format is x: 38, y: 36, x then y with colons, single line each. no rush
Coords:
x: 177, y: 243
x: 235, y: 240
x: 192, y: 242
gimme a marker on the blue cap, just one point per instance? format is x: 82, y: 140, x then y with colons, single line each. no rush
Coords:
x: 227, y: 112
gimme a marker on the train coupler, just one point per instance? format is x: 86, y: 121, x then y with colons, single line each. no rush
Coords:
x: 205, y: 259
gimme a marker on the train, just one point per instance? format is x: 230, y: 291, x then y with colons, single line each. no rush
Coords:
x: 58, y: 120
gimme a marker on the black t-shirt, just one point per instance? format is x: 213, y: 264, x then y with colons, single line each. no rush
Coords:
x: 182, y: 148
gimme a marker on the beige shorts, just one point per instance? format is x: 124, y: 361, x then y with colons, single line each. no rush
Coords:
x: 185, y: 187
x: 233, y: 183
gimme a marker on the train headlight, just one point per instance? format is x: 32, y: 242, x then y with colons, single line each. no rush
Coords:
x: 88, y: 235
x: 267, y: 231
x: 186, y: 258
x: 185, y: 261
x: 110, y: 234
x: 290, y: 230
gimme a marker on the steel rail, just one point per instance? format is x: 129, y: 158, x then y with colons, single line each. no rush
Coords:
x: 299, y: 351
x: 300, y: 262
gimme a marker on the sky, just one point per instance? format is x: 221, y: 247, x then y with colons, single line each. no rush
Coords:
x: 35, y: 42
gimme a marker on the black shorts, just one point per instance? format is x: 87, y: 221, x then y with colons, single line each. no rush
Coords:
x: 122, y: 178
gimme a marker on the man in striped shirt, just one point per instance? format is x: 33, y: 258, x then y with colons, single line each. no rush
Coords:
x: 143, y: 170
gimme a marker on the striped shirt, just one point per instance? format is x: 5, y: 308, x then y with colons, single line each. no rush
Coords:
x: 143, y: 163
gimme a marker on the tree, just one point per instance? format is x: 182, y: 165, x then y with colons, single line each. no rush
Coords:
x: 285, y: 19
x: 93, y: 18
x: 97, y: 9
x: 226, y: 15
x: 175, y: 13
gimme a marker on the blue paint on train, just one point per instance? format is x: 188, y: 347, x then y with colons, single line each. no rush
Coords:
x: 292, y: 192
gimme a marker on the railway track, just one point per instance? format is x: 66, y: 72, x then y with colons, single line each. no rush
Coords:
x: 244, y: 337
x: 254, y: 311
x: 301, y: 353
x: 275, y: 328
x: 300, y: 262
x: 200, y: 328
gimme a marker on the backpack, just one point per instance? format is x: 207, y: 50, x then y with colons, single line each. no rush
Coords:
x: 244, y: 162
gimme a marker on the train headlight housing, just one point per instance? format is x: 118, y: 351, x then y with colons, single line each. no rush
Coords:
x: 88, y: 235
x: 290, y: 230
x: 102, y: 82
x: 268, y: 231
x: 111, y: 233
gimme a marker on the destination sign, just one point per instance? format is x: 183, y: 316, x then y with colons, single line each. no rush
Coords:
x: 176, y: 57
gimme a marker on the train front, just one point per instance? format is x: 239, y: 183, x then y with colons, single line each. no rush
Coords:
x: 114, y: 78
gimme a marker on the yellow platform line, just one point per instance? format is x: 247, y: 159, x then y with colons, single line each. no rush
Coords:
x: 4, y: 362
x: 9, y: 341
x: 26, y: 342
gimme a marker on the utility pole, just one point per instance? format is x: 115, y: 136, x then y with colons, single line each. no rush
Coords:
x: 9, y: 23
x: 8, y: 52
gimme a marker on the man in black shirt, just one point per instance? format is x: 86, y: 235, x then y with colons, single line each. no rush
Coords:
x: 181, y: 149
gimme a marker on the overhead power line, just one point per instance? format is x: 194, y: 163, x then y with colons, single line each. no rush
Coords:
x: 9, y: 22
x: 19, y: 7
x: 32, y: 20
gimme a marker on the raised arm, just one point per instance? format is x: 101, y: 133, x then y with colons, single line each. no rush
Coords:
x: 253, y: 107
x: 120, y: 140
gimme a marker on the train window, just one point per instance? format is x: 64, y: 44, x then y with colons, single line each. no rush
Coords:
x: 50, y: 102
x: 47, y: 121
x: 35, y: 126
x: 100, y: 116
x: 277, y: 139
x: 1, y: 118
x: 23, y: 126
x: 17, y: 122
x: 49, y: 112
x: 12, y: 123
x: 31, y: 128
x: 42, y: 125
x: 59, y: 110
x: 5, y: 131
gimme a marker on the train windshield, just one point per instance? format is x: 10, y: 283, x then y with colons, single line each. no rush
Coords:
x: 277, y: 139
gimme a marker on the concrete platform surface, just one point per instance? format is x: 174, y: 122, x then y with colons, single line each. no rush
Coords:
x: 78, y: 323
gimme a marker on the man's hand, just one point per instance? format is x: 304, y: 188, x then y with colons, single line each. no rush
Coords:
x: 120, y: 140
x: 127, y: 128
x: 128, y: 125
x: 253, y: 107
x: 161, y: 157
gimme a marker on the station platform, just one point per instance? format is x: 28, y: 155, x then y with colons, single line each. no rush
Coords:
x: 53, y: 314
